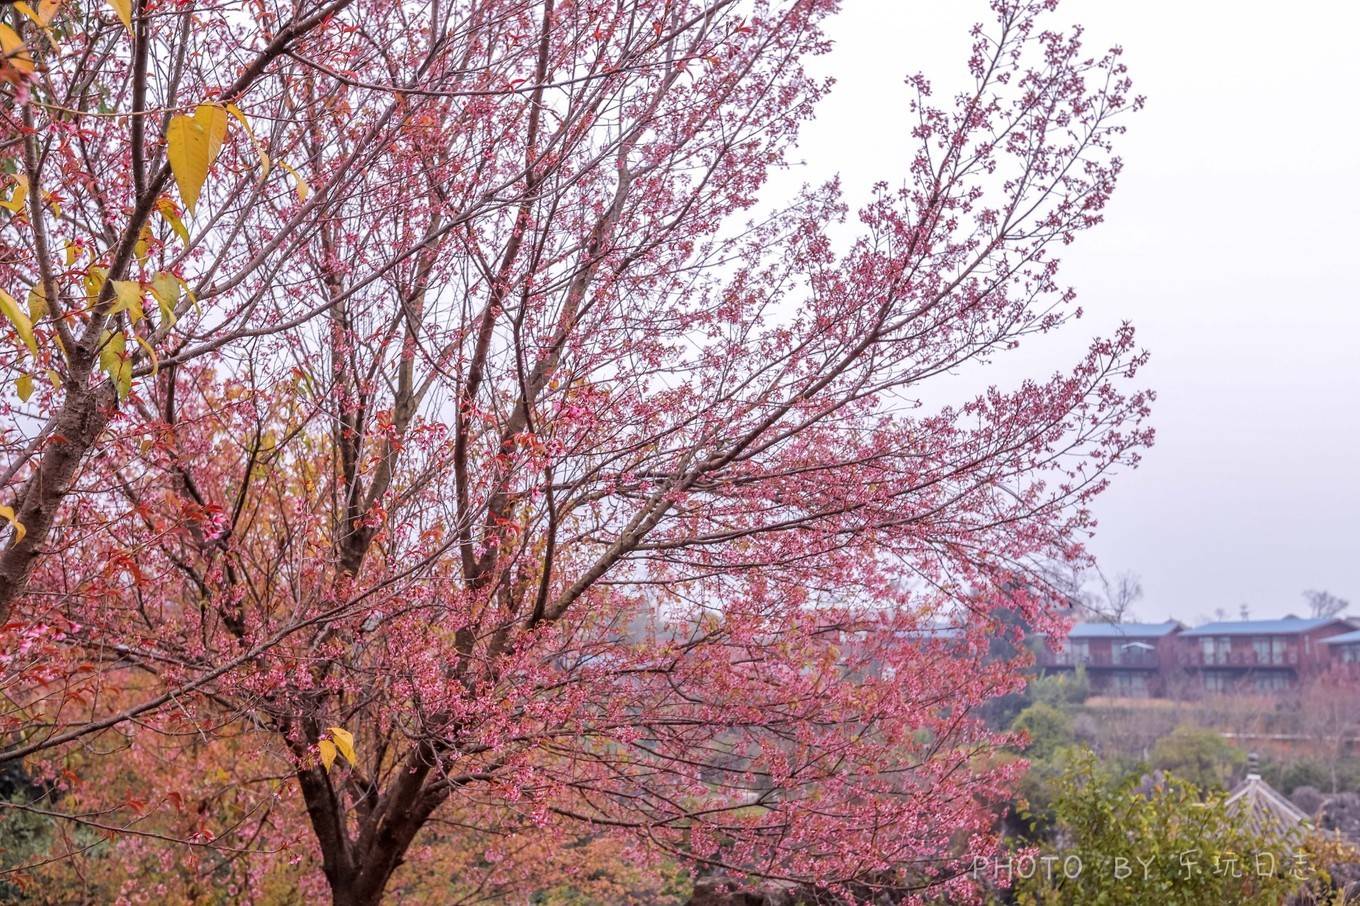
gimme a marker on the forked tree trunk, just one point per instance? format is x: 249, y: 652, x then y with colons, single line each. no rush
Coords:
x: 358, y: 869
x: 364, y: 882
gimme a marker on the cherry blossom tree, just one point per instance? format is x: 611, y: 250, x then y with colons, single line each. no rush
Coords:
x: 421, y: 443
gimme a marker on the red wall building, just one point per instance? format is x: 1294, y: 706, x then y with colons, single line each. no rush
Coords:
x: 1129, y: 659
x: 1259, y: 655
x: 1159, y: 659
x: 1344, y: 652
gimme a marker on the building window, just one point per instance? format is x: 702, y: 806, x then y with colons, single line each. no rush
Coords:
x: 1272, y: 682
x: 1217, y: 682
x: 1350, y: 654
x: 1134, y: 653
x: 1269, y: 649
x: 1215, y: 649
x: 1130, y: 685
x: 1079, y: 651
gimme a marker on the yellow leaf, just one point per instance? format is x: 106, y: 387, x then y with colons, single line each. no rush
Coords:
x: 94, y: 282
x: 167, y: 209
x: 22, y: 325
x: 111, y: 346
x: 129, y: 295
x: 165, y: 287
x: 142, y: 247
x: 54, y: 379
x: 303, y: 190
x: 122, y: 376
x: 15, y: 203
x: 250, y: 133
x: 212, y: 119
x: 155, y: 361
x: 187, y: 147
x: 193, y: 298
x: 19, y: 530
x: 37, y: 302
x: 72, y: 253
x: 327, y: 749
x: 24, y: 385
x: 113, y: 359
x: 124, y: 10
x: 43, y: 16
x: 14, y: 51
x: 344, y: 741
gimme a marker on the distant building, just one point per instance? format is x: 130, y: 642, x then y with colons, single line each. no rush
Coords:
x: 1262, y: 655
x: 1164, y: 659
x: 1125, y: 659
x: 1344, y: 649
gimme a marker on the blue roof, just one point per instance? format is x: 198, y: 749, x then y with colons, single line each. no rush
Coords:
x: 1123, y: 630
x: 932, y: 632
x: 1346, y: 638
x: 1287, y: 626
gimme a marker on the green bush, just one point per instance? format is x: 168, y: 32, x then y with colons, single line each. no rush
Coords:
x: 1163, y: 844
x: 1061, y: 689
x: 1289, y: 774
x: 1048, y: 728
x: 1203, y: 757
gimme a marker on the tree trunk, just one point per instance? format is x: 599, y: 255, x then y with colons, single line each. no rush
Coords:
x: 353, y: 892
x: 366, y: 882
x: 358, y: 870
x: 83, y: 417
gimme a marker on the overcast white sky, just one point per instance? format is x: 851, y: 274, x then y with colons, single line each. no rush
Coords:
x: 1231, y: 244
